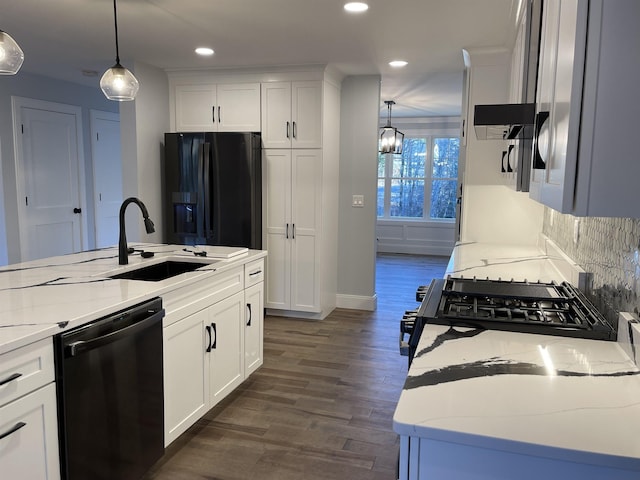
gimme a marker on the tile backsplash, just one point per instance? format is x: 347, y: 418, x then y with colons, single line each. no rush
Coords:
x: 609, y: 249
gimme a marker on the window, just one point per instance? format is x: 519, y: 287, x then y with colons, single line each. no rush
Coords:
x: 421, y: 183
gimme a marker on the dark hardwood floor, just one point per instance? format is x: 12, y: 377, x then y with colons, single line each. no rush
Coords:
x: 321, y: 406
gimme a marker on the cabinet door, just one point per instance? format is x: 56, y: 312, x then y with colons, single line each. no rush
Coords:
x: 276, y: 115
x: 195, y: 108
x: 238, y: 108
x: 558, y: 100
x: 253, y: 328
x: 30, y: 448
x: 186, y: 381
x: 226, y: 358
x: 306, y: 197
x: 278, y: 227
x: 306, y: 107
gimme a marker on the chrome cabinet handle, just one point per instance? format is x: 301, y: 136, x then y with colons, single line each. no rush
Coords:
x: 249, y: 307
x: 10, y: 378
x: 13, y: 429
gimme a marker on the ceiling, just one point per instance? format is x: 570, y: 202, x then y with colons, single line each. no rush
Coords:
x: 62, y: 38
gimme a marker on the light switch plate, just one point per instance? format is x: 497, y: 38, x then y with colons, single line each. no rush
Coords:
x: 357, y: 201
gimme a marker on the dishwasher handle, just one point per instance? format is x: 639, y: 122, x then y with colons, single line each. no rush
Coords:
x: 76, y: 348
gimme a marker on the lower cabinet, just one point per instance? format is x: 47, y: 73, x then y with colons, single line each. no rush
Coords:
x: 29, y: 436
x: 209, y: 353
x: 253, y: 328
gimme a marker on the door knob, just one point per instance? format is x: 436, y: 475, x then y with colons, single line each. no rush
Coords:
x: 77, y: 210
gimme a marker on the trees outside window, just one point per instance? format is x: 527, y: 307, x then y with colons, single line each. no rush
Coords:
x: 421, y: 183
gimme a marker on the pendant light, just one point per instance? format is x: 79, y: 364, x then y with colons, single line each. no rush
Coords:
x: 11, y: 56
x: 390, y: 137
x: 118, y: 83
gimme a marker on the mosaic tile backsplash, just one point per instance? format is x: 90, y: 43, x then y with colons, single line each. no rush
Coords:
x: 609, y: 248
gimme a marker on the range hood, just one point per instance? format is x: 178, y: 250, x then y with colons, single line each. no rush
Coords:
x: 506, y: 121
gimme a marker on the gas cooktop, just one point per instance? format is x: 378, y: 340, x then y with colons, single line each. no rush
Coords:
x: 544, y: 308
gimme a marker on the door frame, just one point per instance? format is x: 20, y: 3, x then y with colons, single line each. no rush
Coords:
x: 17, y: 103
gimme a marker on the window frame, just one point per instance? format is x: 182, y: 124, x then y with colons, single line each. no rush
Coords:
x: 428, y: 180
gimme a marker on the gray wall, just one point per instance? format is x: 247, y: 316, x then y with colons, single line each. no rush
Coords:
x: 142, y: 127
x: 42, y: 88
x: 360, y: 107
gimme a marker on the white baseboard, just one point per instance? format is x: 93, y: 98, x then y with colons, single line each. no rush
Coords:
x: 357, y: 302
x: 443, y: 249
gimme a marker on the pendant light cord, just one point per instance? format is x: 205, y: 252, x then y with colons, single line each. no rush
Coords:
x: 115, y: 21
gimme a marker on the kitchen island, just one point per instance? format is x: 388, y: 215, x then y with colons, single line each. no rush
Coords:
x: 486, y: 404
x: 223, y: 290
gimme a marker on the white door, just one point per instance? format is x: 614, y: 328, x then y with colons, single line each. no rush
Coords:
x: 306, y: 108
x: 238, y: 107
x: 306, y: 198
x: 50, y: 181
x: 278, y: 227
x: 276, y: 115
x: 107, y: 176
x: 195, y: 108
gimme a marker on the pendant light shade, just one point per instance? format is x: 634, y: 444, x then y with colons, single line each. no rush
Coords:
x: 118, y: 83
x: 391, y: 138
x: 11, y: 56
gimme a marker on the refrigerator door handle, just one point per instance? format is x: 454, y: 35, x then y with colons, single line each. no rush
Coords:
x: 207, y: 193
x: 200, y: 212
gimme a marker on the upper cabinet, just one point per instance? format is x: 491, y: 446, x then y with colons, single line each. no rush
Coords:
x: 292, y: 114
x: 585, y: 154
x: 217, y: 107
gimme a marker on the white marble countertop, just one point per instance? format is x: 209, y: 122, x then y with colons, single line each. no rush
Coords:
x: 555, y: 397
x: 45, y: 297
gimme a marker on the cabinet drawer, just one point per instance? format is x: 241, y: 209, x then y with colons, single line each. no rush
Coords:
x: 29, y: 448
x: 187, y: 300
x: 25, y: 369
x: 254, y: 272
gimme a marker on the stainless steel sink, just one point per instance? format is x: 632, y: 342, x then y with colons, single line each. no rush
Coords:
x: 159, y: 271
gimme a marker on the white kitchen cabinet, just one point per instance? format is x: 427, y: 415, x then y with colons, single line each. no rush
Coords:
x: 186, y: 375
x: 28, y: 416
x: 254, y: 320
x: 217, y: 107
x: 293, y: 220
x: 585, y: 108
x: 226, y: 347
x: 210, y: 346
x: 292, y: 114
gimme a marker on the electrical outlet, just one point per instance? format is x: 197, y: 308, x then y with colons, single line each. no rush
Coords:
x: 357, y: 201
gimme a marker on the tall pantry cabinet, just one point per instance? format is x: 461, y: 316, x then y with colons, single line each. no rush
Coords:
x: 300, y: 137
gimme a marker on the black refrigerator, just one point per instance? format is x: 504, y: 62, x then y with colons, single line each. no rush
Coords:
x: 213, y: 189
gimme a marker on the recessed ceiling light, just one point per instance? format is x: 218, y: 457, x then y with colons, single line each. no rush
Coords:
x: 205, y: 51
x: 398, y: 63
x: 356, y: 7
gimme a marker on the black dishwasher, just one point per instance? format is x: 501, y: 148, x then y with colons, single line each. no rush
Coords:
x: 110, y: 395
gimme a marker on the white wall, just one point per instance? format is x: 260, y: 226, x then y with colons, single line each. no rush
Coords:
x: 41, y: 88
x: 492, y: 212
x: 360, y: 106
x: 143, y: 123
